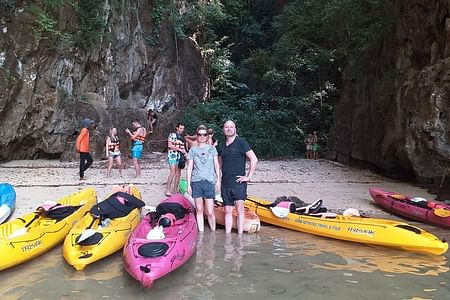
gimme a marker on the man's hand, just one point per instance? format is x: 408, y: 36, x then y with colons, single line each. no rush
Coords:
x: 241, y: 179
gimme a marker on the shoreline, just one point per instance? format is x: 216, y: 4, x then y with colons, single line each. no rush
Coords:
x: 340, y: 186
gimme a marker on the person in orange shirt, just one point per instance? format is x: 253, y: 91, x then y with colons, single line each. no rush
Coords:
x: 82, y: 146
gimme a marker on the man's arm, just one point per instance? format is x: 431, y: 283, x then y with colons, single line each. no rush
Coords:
x: 251, y: 156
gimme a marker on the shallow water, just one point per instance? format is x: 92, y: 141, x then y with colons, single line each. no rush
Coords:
x: 275, y: 263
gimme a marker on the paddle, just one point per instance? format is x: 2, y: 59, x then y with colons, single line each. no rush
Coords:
x: 441, y: 212
x: 88, y: 232
x: 23, y: 230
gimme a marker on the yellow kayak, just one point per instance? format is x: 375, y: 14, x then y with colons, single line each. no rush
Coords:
x: 31, y: 235
x: 355, y: 229
x: 104, y: 230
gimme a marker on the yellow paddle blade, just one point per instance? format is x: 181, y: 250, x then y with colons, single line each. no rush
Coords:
x: 441, y: 212
x: 398, y: 196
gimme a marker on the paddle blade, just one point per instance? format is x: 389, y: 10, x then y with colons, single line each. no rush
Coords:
x: 18, y: 232
x: 156, y: 233
x: 85, y: 235
x: 441, y: 212
x: 280, y: 212
x: 351, y: 212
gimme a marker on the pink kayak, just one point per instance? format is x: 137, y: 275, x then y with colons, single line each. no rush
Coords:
x: 163, y: 241
x: 415, y: 208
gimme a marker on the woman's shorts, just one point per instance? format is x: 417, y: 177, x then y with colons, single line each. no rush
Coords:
x: 309, y: 147
x: 203, y: 189
x: 136, y: 151
x: 114, y: 154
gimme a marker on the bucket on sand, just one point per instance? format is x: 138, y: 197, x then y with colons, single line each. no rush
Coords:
x: 183, y: 186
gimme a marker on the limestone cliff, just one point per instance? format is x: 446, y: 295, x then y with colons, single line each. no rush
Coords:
x: 50, y: 81
x: 394, y: 110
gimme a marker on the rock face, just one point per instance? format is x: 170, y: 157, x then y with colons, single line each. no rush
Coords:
x: 396, y: 116
x: 48, y: 86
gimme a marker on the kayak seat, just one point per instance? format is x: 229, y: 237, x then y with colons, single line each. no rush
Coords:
x: 153, y: 249
x: 174, y: 208
x: 92, y: 240
x: 114, y: 208
x: 410, y: 228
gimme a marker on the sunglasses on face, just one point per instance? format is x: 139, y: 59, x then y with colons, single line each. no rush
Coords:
x: 202, y: 134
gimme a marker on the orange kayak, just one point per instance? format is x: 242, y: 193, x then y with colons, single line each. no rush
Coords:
x: 251, y: 222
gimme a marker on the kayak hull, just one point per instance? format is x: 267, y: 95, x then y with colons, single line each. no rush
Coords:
x: 408, y: 210
x: 168, y: 253
x: 113, y: 237
x: 354, y: 229
x: 7, y: 201
x: 252, y: 223
x: 43, y: 233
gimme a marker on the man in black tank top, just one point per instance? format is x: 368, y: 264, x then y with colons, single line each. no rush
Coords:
x: 233, y: 154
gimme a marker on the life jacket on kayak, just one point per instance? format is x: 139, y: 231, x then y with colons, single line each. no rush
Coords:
x: 283, y: 208
x: 56, y: 211
x: 117, y: 205
x: 174, y: 208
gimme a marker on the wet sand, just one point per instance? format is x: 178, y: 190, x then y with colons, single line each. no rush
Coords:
x: 274, y: 263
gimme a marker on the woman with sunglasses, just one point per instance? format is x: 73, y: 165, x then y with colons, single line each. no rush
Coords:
x: 203, y: 177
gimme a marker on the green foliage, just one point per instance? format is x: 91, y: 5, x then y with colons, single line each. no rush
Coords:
x: 274, y: 126
x: 157, y: 17
x: 7, y: 5
x: 290, y: 54
x: 91, y: 22
x: 46, y: 25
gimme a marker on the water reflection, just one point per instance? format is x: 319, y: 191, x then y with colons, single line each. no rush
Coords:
x: 356, y: 257
x: 273, y: 263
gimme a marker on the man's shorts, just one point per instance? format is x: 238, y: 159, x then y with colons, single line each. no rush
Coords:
x: 173, y: 158
x: 315, y: 147
x: 236, y: 192
x: 136, y: 151
x: 203, y: 189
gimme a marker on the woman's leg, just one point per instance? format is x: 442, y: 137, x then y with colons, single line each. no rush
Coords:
x: 119, y: 164
x: 209, y: 208
x: 110, y: 164
x: 199, y: 213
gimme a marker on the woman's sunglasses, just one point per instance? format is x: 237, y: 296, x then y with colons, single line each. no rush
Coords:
x: 202, y: 134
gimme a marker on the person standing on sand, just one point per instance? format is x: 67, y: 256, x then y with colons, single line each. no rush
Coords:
x: 137, y: 145
x: 113, y: 151
x: 82, y: 146
x: 152, y: 118
x: 315, y: 145
x: 175, y: 156
x: 203, y: 177
x: 309, y: 143
x: 233, y: 154
x: 211, y: 139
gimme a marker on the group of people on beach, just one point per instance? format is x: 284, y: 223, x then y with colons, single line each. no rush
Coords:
x: 312, y: 145
x: 212, y: 168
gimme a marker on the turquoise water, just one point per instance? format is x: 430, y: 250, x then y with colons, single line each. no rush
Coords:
x: 273, y: 264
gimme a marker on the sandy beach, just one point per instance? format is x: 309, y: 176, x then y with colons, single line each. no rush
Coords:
x: 339, y: 186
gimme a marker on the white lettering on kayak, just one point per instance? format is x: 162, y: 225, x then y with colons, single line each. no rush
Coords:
x: 368, y: 232
x: 31, y: 246
x: 320, y: 225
